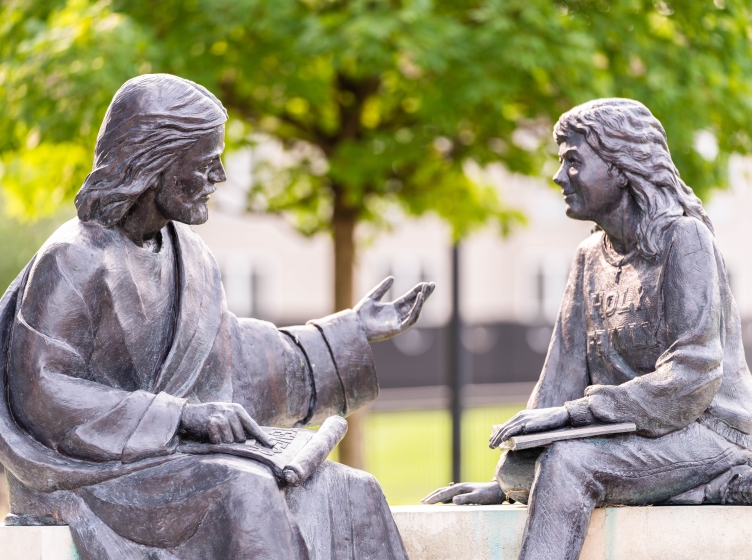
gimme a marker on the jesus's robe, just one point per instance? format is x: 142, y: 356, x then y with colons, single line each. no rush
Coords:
x: 105, y: 342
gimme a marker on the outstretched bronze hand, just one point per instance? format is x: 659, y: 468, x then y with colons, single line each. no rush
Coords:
x: 382, y: 321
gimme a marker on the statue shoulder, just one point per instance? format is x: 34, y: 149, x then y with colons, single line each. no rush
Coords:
x: 590, y: 243
x: 76, y: 250
x: 689, y: 235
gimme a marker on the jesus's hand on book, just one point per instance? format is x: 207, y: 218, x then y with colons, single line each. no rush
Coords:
x: 529, y: 422
x: 220, y: 422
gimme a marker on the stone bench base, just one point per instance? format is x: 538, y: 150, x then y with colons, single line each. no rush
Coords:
x: 447, y: 532
x: 495, y: 532
x: 36, y: 543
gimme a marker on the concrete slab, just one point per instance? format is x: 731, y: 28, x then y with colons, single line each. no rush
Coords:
x: 636, y: 533
x: 495, y: 533
x: 37, y: 543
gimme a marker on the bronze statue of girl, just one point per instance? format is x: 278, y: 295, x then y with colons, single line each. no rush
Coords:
x: 648, y: 332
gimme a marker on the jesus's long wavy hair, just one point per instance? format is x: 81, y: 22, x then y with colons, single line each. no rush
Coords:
x: 626, y: 135
x: 151, y: 121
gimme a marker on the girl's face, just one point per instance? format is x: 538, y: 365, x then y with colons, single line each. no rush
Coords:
x: 590, y: 191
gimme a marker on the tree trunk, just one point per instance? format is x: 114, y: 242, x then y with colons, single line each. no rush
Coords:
x: 344, y: 221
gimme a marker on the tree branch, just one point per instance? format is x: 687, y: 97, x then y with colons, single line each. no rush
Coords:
x: 246, y: 109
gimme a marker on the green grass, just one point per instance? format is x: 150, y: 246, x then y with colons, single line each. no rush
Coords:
x: 410, y: 451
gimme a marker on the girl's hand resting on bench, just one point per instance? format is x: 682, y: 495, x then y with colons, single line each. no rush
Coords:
x: 479, y: 493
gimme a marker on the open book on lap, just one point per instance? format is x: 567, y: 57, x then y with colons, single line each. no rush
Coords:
x: 296, y: 453
x: 541, y: 439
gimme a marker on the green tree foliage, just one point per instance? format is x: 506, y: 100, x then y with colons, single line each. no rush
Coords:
x: 395, y: 95
x: 21, y: 240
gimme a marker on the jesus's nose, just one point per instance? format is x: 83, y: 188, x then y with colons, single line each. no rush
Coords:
x: 218, y: 175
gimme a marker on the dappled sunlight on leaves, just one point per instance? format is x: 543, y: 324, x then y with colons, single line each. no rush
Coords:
x: 396, y: 97
x: 37, y: 181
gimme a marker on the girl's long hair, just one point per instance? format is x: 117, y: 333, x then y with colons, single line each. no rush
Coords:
x: 626, y: 135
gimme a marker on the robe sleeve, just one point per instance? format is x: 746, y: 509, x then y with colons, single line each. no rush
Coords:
x: 51, y: 392
x: 301, y: 375
x: 689, y: 373
x: 565, y: 371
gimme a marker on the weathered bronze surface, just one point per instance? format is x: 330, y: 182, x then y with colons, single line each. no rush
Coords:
x: 648, y: 332
x: 117, y: 344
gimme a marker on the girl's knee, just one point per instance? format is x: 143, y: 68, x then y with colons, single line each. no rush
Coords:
x: 568, y: 459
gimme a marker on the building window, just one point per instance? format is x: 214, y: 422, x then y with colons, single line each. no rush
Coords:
x: 540, y: 292
x: 406, y: 276
x: 547, y: 282
x: 255, y: 289
x: 243, y: 285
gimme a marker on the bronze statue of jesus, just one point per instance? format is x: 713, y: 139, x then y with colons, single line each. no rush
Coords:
x: 117, y: 342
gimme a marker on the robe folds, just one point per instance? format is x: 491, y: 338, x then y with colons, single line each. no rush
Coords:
x: 104, y: 344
